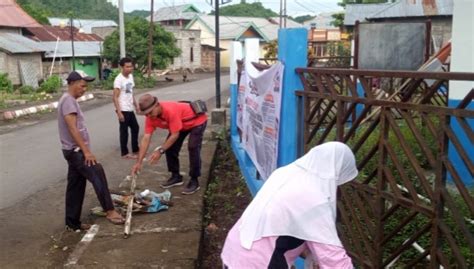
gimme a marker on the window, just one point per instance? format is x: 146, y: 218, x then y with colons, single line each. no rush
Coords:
x: 191, y: 56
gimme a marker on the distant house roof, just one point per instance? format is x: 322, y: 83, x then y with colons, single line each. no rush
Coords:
x: 86, y: 25
x: 181, y: 12
x: 234, y: 27
x: 16, y: 43
x: 321, y: 21
x: 14, y: 16
x: 51, y: 33
x: 398, y: 9
x: 81, y: 49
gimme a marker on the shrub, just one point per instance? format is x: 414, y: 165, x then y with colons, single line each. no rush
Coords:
x: 5, y: 83
x: 25, y: 89
x: 108, y: 84
x: 51, y: 84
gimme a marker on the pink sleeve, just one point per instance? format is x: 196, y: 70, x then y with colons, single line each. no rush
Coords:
x: 329, y: 256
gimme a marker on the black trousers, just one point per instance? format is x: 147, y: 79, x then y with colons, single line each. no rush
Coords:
x: 77, y: 174
x: 194, y: 148
x: 130, y: 121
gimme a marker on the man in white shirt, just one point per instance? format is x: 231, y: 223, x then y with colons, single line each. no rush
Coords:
x: 125, y: 104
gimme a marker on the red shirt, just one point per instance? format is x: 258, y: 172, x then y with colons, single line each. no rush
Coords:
x: 175, y: 117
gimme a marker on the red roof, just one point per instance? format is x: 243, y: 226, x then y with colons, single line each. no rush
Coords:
x: 51, y: 33
x: 14, y: 16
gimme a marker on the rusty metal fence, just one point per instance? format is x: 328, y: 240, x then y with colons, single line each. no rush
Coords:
x: 410, y: 206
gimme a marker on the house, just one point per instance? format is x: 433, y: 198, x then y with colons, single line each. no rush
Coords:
x: 102, y: 28
x: 237, y: 29
x: 58, y: 50
x: 179, y: 15
x: 20, y: 57
x: 440, y: 12
x: 174, y: 19
x: 321, y: 33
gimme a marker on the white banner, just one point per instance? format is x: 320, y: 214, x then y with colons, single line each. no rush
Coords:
x: 258, y: 116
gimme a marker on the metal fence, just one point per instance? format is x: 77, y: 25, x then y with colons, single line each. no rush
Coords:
x: 410, y: 206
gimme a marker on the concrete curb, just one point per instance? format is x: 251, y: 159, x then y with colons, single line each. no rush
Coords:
x: 13, y: 114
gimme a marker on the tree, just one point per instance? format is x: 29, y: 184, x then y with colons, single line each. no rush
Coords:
x: 84, y: 9
x: 136, y: 38
x: 246, y: 10
x: 338, y: 19
x: 139, y: 13
x: 37, y: 13
x: 303, y: 18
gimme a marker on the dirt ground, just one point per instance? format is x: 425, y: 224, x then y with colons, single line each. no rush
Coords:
x: 226, y: 198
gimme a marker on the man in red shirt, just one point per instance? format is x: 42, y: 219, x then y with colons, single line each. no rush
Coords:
x: 181, y: 121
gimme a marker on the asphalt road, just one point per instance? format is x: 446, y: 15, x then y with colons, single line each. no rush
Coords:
x: 31, y: 158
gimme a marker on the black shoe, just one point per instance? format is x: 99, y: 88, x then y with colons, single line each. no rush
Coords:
x: 192, y: 187
x: 173, y: 181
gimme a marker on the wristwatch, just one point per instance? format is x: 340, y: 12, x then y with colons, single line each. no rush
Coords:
x: 161, y: 150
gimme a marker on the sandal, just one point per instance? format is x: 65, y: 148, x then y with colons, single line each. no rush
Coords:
x: 116, y: 220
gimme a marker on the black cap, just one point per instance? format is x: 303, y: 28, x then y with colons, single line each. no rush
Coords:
x: 79, y: 75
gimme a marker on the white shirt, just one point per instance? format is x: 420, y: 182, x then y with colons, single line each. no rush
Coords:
x: 125, y: 85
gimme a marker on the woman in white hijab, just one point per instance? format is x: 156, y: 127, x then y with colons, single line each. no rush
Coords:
x: 294, y: 211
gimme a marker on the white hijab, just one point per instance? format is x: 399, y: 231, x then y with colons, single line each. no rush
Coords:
x: 299, y: 199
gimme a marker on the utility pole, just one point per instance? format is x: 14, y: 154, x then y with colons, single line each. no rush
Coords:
x: 121, y: 29
x: 281, y: 12
x: 218, y: 58
x: 285, y: 13
x: 150, y: 40
x: 72, y: 44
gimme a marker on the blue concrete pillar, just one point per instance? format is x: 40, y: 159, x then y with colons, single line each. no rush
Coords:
x: 235, y: 54
x: 293, y: 53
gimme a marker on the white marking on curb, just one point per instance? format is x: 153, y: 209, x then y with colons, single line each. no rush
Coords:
x: 81, y: 247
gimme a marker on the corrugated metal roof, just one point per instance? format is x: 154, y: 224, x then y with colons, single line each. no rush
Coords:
x: 416, y: 8
x: 12, y: 15
x: 360, y: 12
x: 233, y: 27
x: 180, y: 12
x: 81, y: 49
x: 86, y: 25
x: 16, y: 43
x: 51, y: 33
x: 398, y: 9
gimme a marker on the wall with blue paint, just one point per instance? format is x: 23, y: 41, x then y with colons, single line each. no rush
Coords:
x: 293, y: 53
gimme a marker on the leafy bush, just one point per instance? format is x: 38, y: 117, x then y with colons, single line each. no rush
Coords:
x: 25, y: 89
x: 5, y: 83
x: 143, y: 82
x: 51, y: 84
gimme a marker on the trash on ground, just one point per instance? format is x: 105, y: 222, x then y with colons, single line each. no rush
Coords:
x: 145, y: 202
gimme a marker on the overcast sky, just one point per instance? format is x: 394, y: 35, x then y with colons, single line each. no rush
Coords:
x: 295, y: 7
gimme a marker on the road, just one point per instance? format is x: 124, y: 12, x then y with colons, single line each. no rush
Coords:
x: 31, y: 159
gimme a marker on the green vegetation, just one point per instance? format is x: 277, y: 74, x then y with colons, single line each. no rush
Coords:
x: 418, y: 221
x: 51, y: 84
x: 5, y: 83
x: 84, y: 9
x: 37, y: 12
x: 246, y: 10
x: 136, y: 38
x: 303, y: 18
x: 138, y: 13
x: 141, y: 81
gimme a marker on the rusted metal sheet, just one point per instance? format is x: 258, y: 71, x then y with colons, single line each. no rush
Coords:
x: 12, y: 15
